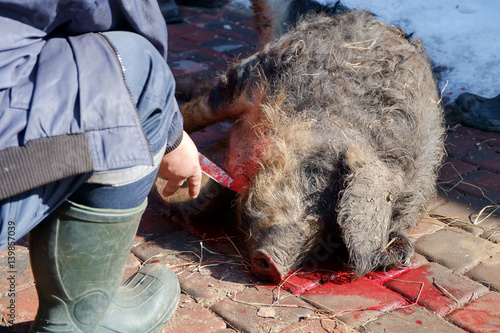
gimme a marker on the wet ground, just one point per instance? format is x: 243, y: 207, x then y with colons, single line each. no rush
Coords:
x: 452, y: 286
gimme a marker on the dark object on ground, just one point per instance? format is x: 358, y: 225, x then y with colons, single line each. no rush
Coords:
x: 202, y: 3
x: 170, y: 11
x: 337, y: 130
x: 478, y: 112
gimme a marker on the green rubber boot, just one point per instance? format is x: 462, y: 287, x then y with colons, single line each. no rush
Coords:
x: 77, y: 256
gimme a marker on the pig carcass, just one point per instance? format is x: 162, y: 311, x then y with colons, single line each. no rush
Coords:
x: 337, y: 126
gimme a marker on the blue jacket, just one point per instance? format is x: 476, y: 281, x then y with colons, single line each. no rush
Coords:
x: 52, y: 109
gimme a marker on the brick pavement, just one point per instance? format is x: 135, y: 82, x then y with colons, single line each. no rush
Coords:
x: 453, y: 284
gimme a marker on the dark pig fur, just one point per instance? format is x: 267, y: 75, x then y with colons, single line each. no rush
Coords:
x: 337, y: 125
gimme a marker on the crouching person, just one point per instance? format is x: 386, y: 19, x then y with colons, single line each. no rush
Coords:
x: 87, y: 118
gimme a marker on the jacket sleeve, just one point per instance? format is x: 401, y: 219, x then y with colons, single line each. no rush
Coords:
x: 31, y: 31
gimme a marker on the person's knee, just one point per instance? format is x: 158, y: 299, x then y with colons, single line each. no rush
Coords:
x: 144, y: 67
x: 149, y: 81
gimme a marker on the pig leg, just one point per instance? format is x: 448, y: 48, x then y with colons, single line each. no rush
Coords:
x: 263, y: 17
x: 235, y: 94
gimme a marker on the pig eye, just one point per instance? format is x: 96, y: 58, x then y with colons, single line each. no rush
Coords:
x: 389, y: 198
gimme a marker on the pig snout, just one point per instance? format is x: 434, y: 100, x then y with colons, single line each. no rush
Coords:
x: 264, y: 267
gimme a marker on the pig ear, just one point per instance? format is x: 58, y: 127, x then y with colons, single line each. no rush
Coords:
x: 366, y: 210
x: 364, y: 218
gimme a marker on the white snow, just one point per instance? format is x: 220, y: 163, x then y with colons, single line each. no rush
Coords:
x: 462, y: 37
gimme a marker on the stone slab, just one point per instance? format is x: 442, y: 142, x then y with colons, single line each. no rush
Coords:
x: 455, y: 249
x: 425, y: 226
x: 154, y: 223
x: 412, y: 319
x: 436, y: 288
x: 263, y: 310
x: 479, y: 316
x: 26, y: 306
x: 354, y: 302
x: 203, y: 272
x: 193, y: 317
x: 297, y: 284
x: 16, y: 263
x: 481, y: 184
x: 383, y: 277
x: 463, y: 212
x: 460, y: 144
x: 487, y: 157
x: 487, y: 272
x: 452, y: 169
x: 321, y: 325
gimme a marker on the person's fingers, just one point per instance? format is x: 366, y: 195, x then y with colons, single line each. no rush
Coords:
x: 195, y: 185
x: 172, y: 186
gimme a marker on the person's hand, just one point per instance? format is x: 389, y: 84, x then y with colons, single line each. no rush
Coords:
x: 180, y: 165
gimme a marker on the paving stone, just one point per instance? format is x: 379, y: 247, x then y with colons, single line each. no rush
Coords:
x: 193, y: 317
x: 201, y: 35
x: 463, y: 212
x: 238, y: 15
x: 481, y: 184
x: 454, y: 249
x: 412, y: 319
x: 216, y: 26
x: 383, y: 277
x: 459, y: 144
x: 26, y: 306
x: 465, y: 140
x: 154, y: 223
x: 228, y: 46
x: 203, y: 55
x: 452, y: 169
x: 183, y: 67
x: 181, y: 30
x: 218, y: 276
x: 493, y: 234
x: 479, y: 316
x: 176, y: 248
x: 179, y: 45
x: 490, y: 221
x: 297, y: 284
x: 464, y: 143
x: 18, y: 265
x: 318, y: 326
x: 486, y: 158
x: 445, y: 194
x: 436, y: 288
x: 210, y: 284
x: 488, y: 271
x: 18, y: 328
x: 487, y: 138
x: 239, y: 32
x: 354, y: 302
x: 425, y: 226
x: 262, y: 310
